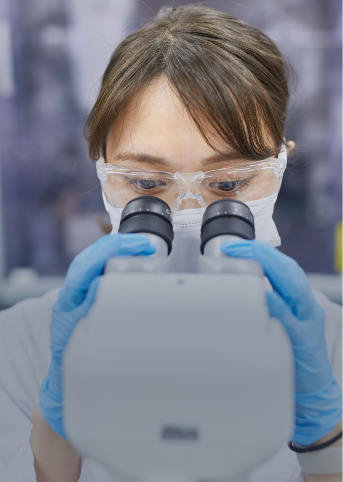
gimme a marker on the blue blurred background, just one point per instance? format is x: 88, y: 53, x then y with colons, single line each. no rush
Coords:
x: 52, y: 56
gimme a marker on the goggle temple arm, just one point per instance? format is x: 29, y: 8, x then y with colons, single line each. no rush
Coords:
x: 282, y: 160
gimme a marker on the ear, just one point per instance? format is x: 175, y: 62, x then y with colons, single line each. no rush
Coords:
x: 290, y: 146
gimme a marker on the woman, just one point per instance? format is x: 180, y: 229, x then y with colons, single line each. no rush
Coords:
x: 194, y: 91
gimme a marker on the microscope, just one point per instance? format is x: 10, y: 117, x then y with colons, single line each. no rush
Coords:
x: 180, y: 377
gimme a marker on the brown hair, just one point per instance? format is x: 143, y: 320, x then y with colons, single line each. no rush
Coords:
x: 227, y: 74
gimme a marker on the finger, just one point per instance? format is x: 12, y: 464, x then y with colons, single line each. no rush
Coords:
x: 284, y: 274
x: 82, y: 310
x: 91, y: 263
x: 62, y: 330
x: 64, y: 322
x: 79, y: 313
x: 279, y: 309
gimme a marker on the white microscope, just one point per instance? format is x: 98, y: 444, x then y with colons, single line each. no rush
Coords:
x: 180, y: 376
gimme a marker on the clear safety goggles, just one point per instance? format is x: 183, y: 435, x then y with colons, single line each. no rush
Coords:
x: 242, y: 180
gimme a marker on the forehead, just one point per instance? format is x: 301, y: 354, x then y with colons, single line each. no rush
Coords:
x: 157, y: 123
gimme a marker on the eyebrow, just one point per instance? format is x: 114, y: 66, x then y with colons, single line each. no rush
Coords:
x: 226, y: 156
x: 141, y: 157
x: 150, y: 159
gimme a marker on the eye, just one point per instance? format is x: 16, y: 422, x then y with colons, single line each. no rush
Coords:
x: 147, y: 183
x: 227, y: 186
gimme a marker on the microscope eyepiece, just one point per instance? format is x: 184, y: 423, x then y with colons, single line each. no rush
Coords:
x: 226, y: 217
x: 148, y: 205
x: 148, y: 214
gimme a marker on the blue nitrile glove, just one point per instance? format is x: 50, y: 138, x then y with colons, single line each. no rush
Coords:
x: 318, y: 397
x: 74, y: 301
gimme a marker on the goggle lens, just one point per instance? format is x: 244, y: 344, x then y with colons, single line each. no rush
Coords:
x: 246, y: 183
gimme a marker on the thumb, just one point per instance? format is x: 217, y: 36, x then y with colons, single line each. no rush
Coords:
x: 82, y: 310
x: 279, y: 309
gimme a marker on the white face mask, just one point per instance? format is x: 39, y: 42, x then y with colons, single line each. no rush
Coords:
x: 187, y: 226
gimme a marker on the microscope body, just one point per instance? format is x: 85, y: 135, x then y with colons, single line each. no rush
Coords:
x: 180, y: 374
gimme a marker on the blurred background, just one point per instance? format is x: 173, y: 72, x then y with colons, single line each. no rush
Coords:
x: 52, y: 56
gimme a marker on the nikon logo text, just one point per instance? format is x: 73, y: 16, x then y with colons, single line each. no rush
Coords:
x: 176, y: 432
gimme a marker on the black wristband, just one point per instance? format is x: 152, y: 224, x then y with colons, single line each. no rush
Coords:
x: 313, y: 448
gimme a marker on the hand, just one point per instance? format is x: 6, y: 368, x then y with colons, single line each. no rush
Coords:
x: 318, y: 397
x: 74, y: 301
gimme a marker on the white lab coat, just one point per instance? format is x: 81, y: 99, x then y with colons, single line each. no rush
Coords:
x: 24, y: 363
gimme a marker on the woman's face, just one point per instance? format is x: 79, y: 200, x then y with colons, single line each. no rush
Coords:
x: 156, y: 133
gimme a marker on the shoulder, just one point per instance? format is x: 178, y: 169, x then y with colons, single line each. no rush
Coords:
x: 333, y: 332
x: 25, y: 346
x: 333, y: 312
x: 26, y: 325
x: 30, y: 312
x: 333, y: 315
